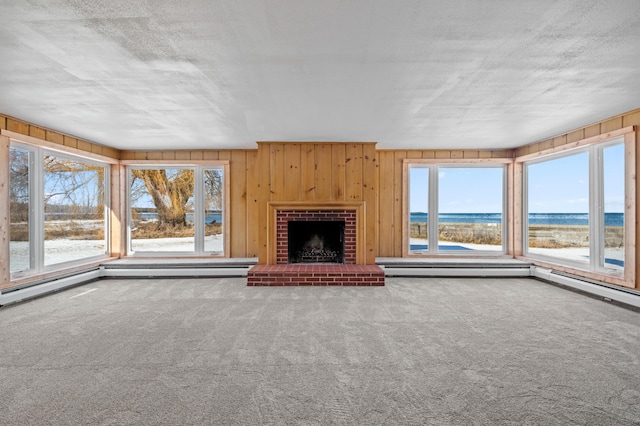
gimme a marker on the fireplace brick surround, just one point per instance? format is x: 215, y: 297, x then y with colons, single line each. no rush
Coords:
x: 278, y: 272
x: 284, y: 216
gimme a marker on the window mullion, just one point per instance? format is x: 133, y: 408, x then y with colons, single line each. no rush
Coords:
x: 198, y: 210
x: 36, y: 225
x: 433, y: 209
x: 596, y: 224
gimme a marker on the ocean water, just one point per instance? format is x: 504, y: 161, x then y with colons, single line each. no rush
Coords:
x: 209, y: 217
x: 610, y: 219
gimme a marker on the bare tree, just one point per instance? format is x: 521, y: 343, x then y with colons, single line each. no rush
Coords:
x: 19, y: 185
x: 170, y: 192
x: 73, y: 188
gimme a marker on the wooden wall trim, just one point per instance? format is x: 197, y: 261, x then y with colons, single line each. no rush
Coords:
x: 147, y: 163
x: 460, y: 161
x: 56, y: 138
x: 5, y: 219
x: 52, y: 146
x: 117, y: 211
x: 632, y: 212
x: 546, y: 150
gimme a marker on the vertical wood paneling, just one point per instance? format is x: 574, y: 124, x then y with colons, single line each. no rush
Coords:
x: 264, y: 188
x: 518, y: 215
x: 353, y: 172
x: 575, y: 136
x: 557, y: 141
x: 591, y: 131
x: 386, y: 173
x: 413, y: 154
x: 5, y: 220
x: 37, y: 132
x: 54, y: 137
x: 118, y: 210
x: 307, y: 175
x: 338, y: 153
x: 17, y: 126
x: 210, y: 155
x: 611, y: 125
x: 631, y: 119
x: 397, y: 202
x: 632, y: 211
x: 253, y: 228
x: 292, y: 187
x: 238, y: 213
x: 277, y: 172
x: 370, y: 197
x: 323, y: 172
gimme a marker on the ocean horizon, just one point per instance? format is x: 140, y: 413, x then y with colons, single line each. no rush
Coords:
x: 610, y: 219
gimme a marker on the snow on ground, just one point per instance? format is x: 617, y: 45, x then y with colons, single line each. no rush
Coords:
x: 67, y: 250
x: 614, y: 256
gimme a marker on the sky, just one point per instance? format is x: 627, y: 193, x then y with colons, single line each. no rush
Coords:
x: 556, y: 186
x: 460, y: 190
x: 562, y: 185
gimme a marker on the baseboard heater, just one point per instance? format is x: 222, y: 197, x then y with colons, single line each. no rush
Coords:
x: 621, y: 295
x: 397, y: 271
x: 57, y: 284
x: 175, y: 272
x: 43, y: 288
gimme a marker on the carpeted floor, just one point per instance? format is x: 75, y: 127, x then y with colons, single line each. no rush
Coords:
x: 417, y: 351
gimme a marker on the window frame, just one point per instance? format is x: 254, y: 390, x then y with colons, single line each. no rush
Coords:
x: 198, y: 194
x: 37, y: 152
x: 597, y: 143
x: 433, y: 199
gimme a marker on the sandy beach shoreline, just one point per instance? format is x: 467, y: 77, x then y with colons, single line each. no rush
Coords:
x: 540, y: 236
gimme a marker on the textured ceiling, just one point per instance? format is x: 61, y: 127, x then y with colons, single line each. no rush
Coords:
x: 208, y: 74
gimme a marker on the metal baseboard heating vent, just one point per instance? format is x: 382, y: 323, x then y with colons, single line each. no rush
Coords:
x: 404, y: 267
x: 49, y: 287
x: 620, y: 295
x: 174, y: 272
x: 391, y: 271
x: 134, y: 269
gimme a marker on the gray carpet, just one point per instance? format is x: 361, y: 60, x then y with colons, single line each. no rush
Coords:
x: 418, y: 351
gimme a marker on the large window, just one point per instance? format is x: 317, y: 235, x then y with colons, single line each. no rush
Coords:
x: 575, y: 207
x: 470, y: 201
x: 20, y: 166
x: 177, y: 209
x: 58, y: 209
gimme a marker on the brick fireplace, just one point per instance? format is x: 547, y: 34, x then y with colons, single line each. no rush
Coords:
x: 328, y: 247
x: 333, y: 230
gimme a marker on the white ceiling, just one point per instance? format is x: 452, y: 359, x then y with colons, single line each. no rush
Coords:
x: 209, y: 74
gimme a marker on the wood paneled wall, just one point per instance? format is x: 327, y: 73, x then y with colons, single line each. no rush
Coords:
x: 322, y: 172
x: 319, y: 172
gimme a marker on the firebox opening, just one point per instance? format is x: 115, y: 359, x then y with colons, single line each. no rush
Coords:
x: 316, y: 241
